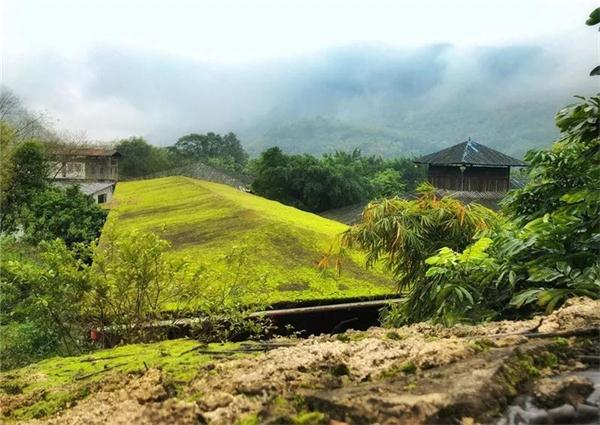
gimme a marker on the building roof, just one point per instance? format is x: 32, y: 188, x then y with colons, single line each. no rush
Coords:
x: 85, y: 152
x: 89, y: 188
x: 470, y: 153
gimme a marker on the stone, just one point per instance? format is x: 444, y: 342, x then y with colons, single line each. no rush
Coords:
x: 571, y: 389
x: 564, y: 414
x: 585, y: 412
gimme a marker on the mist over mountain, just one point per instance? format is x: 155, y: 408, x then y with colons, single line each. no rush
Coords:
x: 383, y: 100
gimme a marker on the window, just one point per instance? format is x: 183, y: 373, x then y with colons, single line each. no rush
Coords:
x: 102, y: 198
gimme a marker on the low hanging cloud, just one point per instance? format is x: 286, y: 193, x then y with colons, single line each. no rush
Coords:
x: 114, y: 92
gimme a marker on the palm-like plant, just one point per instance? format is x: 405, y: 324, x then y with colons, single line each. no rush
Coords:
x: 402, y: 233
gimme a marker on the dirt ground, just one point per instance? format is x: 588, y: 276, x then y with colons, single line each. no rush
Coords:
x: 416, y: 374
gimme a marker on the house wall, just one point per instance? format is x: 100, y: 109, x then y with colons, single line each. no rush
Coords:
x: 101, y: 168
x: 87, y: 168
x: 107, y: 193
x: 479, y: 179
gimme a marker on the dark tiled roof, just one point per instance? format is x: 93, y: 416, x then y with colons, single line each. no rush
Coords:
x: 470, y: 153
x: 85, y: 152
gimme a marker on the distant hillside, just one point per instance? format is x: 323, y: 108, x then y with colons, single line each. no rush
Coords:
x: 513, y: 130
x: 207, y: 221
x: 320, y: 135
x: 384, y: 99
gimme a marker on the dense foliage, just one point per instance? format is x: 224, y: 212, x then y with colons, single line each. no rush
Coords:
x: 333, y: 181
x: 31, y: 205
x: 222, y: 151
x: 558, y: 254
x: 547, y: 250
x: 139, y: 158
x: 403, y: 233
x: 41, y: 302
x: 51, y: 296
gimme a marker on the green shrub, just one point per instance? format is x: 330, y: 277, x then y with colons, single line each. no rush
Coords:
x: 25, y: 342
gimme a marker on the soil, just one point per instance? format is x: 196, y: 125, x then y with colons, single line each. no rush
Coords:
x: 414, y: 375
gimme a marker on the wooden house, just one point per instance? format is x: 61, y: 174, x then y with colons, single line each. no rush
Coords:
x: 94, y: 170
x: 471, y: 167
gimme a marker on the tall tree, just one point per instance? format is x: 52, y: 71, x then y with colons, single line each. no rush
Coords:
x: 139, y: 158
x: 26, y: 175
x: 224, y: 151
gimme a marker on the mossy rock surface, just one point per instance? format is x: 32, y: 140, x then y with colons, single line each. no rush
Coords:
x: 46, y: 387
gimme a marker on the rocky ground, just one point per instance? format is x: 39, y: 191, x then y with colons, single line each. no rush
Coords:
x: 416, y: 374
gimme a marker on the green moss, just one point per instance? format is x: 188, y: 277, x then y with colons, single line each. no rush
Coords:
x: 205, y: 221
x: 410, y: 386
x: 11, y: 387
x: 249, y: 420
x: 50, y: 385
x: 562, y: 343
x: 518, y: 373
x: 481, y: 345
x: 527, y: 365
x: 309, y: 418
x: 395, y: 336
x: 406, y: 368
x: 351, y: 336
x: 547, y: 359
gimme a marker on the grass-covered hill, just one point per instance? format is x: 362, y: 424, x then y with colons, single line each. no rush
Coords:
x: 243, y: 238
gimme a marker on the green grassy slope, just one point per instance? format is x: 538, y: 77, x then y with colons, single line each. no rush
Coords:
x: 206, y: 221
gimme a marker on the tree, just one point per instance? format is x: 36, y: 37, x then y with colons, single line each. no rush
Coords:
x: 42, y: 301
x: 333, y: 181
x: 26, y: 174
x: 555, y: 248
x: 67, y: 214
x: 8, y: 143
x: 26, y: 124
x: 139, y: 158
x: 388, y: 183
x: 594, y: 20
x: 41, y: 211
x: 217, y: 150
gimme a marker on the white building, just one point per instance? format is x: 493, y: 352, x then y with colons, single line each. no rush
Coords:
x: 94, y: 170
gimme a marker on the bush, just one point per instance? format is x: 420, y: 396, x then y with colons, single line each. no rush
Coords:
x: 223, y: 316
x: 403, y: 233
x: 42, y: 299
x: 25, y: 342
x: 134, y: 282
x: 62, y: 213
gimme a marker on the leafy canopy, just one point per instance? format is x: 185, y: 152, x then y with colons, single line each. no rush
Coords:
x: 224, y: 151
x: 333, y: 181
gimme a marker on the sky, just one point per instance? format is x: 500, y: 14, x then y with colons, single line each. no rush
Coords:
x: 52, y: 51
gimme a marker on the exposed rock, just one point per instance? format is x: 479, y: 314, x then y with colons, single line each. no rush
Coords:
x: 143, y: 406
x: 571, y: 389
x: 416, y: 374
x: 564, y: 414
